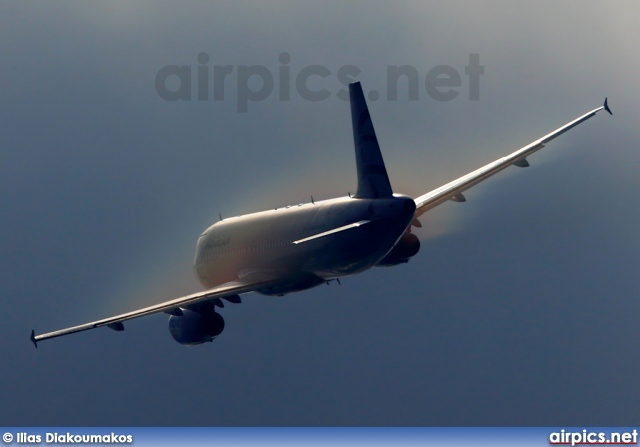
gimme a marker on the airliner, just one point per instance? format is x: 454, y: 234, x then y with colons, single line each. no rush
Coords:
x: 286, y: 250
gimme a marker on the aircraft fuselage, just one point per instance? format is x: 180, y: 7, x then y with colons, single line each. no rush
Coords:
x: 288, y: 242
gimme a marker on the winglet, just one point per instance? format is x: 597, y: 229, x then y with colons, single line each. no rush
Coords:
x: 33, y: 338
x: 606, y: 107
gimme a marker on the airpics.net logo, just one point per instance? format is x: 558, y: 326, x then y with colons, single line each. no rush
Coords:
x: 207, y: 80
x: 588, y: 437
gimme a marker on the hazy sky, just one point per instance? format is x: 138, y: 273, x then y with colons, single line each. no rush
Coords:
x: 520, y: 308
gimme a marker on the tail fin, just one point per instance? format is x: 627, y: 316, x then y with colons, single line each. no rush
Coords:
x: 373, y: 181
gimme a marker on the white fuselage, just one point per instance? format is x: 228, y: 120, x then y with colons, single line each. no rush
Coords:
x: 269, y: 242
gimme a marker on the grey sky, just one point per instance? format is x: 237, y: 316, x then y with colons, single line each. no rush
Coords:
x: 520, y: 308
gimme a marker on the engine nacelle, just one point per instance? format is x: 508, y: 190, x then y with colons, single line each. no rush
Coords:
x: 194, y: 328
x: 406, y: 248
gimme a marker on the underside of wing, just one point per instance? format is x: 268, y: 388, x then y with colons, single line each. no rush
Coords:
x: 249, y: 283
x: 453, y: 190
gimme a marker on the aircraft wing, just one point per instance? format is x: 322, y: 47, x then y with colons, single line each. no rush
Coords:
x: 243, y: 285
x: 453, y: 190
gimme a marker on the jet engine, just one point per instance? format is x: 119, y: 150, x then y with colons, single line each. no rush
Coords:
x: 405, y: 249
x: 194, y: 328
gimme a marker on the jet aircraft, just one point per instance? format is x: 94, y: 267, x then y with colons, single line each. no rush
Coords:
x: 295, y: 248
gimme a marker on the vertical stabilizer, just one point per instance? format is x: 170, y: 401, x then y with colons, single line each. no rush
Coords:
x: 373, y: 181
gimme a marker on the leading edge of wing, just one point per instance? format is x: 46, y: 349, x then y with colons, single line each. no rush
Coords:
x: 230, y: 288
x: 434, y: 198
